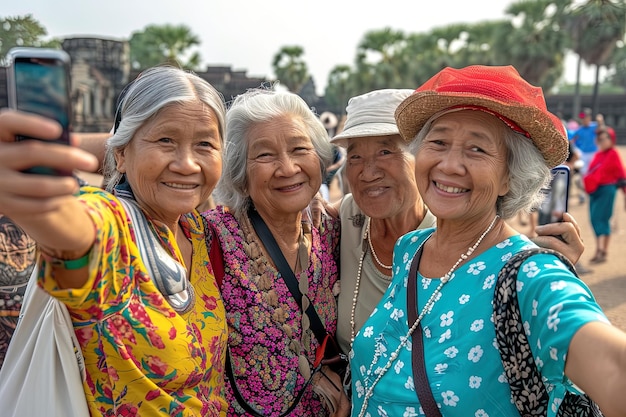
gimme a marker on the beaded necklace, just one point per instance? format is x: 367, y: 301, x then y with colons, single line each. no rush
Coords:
x: 357, y: 284
x: 404, y: 339
x: 369, y: 241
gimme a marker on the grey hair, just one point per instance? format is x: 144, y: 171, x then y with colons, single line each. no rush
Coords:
x: 527, y: 170
x: 252, y: 107
x: 153, y: 90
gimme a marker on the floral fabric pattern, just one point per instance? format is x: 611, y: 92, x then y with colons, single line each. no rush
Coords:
x: 462, y: 362
x: 264, y: 320
x: 17, y: 260
x: 143, y: 358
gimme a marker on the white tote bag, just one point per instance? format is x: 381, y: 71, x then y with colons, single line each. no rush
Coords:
x: 43, y: 370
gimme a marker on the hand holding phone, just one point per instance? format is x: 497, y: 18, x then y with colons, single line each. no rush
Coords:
x: 38, y: 82
x: 555, y: 202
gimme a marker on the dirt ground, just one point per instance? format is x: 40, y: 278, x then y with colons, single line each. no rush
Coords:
x: 607, y: 280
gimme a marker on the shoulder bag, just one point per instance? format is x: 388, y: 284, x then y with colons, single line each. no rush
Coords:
x: 44, y: 369
x: 529, y: 393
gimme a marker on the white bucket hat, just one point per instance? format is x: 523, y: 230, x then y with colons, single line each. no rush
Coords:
x: 371, y: 114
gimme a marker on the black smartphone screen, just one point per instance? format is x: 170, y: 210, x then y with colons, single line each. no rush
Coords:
x: 556, y: 197
x: 42, y: 87
x: 39, y: 83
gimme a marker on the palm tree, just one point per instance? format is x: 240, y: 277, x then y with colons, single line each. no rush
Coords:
x: 595, y: 27
x: 159, y: 44
x: 23, y: 31
x: 290, y: 69
x: 375, y: 59
x: 536, y: 44
x: 479, y: 43
x: 421, y: 58
x: 618, y: 64
x: 338, y: 89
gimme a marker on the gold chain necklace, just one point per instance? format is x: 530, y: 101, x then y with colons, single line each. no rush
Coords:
x: 427, y: 308
x: 369, y: 241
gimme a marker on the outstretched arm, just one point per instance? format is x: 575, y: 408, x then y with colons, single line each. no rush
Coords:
x: 45, y: 207
x: 93, y: 143
x: 596, y: 362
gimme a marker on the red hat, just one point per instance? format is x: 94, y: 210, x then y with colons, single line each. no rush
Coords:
x: 612, y: 134
x: 498, y: 90
x: 610, y: 131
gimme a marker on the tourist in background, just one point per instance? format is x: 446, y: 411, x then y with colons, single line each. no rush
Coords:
x: 605, y: 175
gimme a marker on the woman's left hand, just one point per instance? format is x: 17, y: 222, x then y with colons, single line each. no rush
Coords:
x: 563, y: 237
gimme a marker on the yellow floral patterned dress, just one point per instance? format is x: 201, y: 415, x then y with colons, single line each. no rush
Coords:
x: 143, y: 358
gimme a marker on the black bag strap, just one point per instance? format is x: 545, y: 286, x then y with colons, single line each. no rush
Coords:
x: 529, y: 394
x: 286, y: 273
x: 420, y: 379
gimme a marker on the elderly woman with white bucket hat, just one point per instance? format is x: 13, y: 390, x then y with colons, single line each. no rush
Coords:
x: 385, y: 203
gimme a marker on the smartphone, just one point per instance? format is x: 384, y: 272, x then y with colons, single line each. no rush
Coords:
x: 556, y: 197
x: 38, y: 81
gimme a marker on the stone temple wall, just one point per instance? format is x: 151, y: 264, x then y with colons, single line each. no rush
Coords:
x: 101, y: 68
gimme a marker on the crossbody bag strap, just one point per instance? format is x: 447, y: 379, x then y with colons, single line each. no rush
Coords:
x: 274, y: 251
x: 420, y: 379
x: 286, y: 273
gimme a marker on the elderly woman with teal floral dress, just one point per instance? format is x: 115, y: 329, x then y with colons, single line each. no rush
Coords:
x: 484, y: 143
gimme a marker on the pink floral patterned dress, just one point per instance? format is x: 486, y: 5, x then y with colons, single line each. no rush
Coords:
x: 264, y: 320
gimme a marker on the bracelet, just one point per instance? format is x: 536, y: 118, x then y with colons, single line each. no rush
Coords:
x: 69, y: 264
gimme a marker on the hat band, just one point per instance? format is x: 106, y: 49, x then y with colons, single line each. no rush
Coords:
x: 510, y: 123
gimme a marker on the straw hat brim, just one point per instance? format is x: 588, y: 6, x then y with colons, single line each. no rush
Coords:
x: 413, y: 113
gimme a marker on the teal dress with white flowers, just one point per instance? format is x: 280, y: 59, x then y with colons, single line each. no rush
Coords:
x: 463, y: 365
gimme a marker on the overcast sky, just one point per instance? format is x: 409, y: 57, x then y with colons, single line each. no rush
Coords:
x: 246, y: 34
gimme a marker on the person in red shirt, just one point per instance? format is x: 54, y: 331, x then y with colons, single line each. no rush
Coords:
x: 605, y: 175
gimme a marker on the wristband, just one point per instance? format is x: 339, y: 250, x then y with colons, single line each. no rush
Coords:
x: 69, y: 264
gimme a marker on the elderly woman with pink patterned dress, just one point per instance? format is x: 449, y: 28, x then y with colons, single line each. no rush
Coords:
x: 275, y: 153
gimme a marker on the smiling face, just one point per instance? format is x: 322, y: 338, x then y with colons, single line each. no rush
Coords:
x: 284, y: 171
x: 174, y: 160
x: 380, y: 174
x: 461, y: 165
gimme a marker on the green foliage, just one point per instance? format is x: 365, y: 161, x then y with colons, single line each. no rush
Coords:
x: 536, y: 44
x: 597, y: 26
x: 160, y: 44
x: 290, y: 68
x: 534, y: 39
x: 338, y: 90
x: 23, y: 31
x: 617, y: 62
